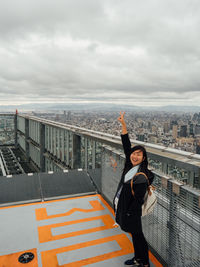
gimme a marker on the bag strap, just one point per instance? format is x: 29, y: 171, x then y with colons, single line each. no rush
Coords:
x: 138, y: 173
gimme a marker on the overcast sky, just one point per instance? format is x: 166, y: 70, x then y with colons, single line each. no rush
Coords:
x: 142, y: 52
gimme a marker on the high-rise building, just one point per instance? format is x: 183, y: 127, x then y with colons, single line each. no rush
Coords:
x: 191, y: 129
x: 175, y: 131
x: 166, y: 127
x: 197, y: 129
x: 65, y: 115
x: 69, y: 115
x: 149, y: 125
x: 183, y: 131
x: 173, y: 122
x: 195, y: 117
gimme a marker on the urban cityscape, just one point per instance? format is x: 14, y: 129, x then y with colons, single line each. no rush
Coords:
x: 177, y: 130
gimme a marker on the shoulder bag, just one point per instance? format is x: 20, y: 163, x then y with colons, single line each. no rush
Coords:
x: 150, y: 198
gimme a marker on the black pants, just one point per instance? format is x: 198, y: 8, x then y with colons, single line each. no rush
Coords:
x: 140, y: 246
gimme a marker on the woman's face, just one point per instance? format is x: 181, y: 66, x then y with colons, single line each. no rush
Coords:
x: 136, y: 157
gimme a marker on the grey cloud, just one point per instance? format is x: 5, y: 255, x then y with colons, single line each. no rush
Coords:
x: 85, y: 49
x: 47, y: 16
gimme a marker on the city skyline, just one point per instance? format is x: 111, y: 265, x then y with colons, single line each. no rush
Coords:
x: 134, y: 52
x: 169, y: 129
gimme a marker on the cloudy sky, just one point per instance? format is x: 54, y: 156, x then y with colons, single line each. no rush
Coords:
x: 142, y: 52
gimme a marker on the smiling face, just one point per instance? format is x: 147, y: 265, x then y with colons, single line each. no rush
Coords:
x: 136, y: 157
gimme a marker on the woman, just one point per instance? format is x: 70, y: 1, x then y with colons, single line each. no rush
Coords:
x: 128, y: 202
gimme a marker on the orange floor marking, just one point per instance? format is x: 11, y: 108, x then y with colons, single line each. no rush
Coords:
x: 49, y: 258
x: 107, y: 205
x: 41, y: 214
x: 45, y: 234
x: 154, y: 260
x: 11, y: 260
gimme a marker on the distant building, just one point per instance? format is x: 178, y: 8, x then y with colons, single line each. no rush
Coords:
x: 149, y: 125
x: 69, y: 115
x: 191, y: 129
x: 183, y: 131
x: 197, y: 129
x: 175, y: 131
x: 172, y: 123
x: 198, y: 149
x: 57, y: 117
x: 166, y: 127
x: 140, y: 137
x: 154, y: 129
x: 65, y: 115
x: 153, y: 139
x: 195, y: 117
x: 166, y: 141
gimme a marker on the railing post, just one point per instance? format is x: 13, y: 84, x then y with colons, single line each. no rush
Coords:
x: 67, y: 147
x: 62, y: 145
x: 15, y: 128
x: 42, y: 147
x: 175, y: 251
x: 27, y: 150
x: 58, y: 144
x: 191, y: 175
x: 86, y: 154
x: 51, y: 139
x: 164, y: 167
x: 76, y: 151
x: 93, y: 154
x: 54, y: 141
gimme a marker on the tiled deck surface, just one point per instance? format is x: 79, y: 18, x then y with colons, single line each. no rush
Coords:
x: 69, y: 232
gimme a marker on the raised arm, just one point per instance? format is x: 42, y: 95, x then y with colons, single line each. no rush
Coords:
x: 125, y: 138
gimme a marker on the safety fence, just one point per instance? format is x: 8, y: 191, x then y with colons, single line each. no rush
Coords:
x: 173, y: 229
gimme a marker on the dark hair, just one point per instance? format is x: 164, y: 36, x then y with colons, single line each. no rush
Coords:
x: 144, y: 164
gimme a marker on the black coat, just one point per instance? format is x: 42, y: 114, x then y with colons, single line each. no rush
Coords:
x: 129, y: 208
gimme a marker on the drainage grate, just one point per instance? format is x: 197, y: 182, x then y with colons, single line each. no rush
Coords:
x: 26, y: 257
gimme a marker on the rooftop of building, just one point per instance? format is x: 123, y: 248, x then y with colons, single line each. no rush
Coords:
x: 172, y: 230
x: 62, y: 223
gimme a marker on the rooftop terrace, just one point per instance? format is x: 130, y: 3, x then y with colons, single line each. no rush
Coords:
x: 76, y: 230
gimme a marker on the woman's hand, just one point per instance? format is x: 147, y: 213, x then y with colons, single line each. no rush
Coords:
x: 121, y: 118
x: 122, y: 121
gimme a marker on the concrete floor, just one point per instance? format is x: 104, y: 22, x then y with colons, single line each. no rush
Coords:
x: 69, y: 232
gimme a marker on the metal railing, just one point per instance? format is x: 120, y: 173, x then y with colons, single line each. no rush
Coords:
x: 57, y: 146
x: 173, y: 229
